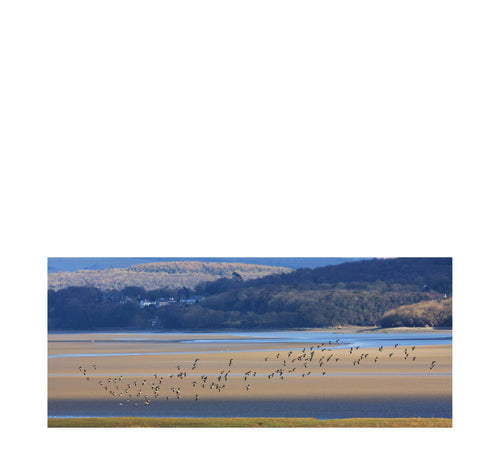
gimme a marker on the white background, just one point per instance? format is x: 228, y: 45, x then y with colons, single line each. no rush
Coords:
x: 258, y: 129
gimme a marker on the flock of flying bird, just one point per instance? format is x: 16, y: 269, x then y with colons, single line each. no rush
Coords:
x: 281, y: 364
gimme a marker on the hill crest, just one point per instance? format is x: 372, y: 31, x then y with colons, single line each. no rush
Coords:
x: 160, y: 275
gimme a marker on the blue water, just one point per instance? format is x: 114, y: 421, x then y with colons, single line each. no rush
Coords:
x: 304, y: 337
x: 305, y: 408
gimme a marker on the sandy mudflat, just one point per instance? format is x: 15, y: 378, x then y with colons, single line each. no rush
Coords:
x: 291, y: 374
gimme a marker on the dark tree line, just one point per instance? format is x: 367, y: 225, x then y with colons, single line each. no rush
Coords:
x: 418, y: 274
x: 83, y: 307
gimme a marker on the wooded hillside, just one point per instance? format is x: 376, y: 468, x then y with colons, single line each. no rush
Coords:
x: 389, y: 292
x: 159, y: 275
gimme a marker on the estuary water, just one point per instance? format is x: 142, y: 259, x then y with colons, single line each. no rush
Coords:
x: 343, y: 340
x: 323, y: 409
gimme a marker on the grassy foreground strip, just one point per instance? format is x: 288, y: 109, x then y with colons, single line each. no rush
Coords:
x: 140, y: 422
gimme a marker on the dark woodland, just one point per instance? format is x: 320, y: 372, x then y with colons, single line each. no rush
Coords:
x: 414, y: 292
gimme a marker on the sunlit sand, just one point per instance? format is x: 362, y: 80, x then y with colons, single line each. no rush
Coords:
x: 241, y: 371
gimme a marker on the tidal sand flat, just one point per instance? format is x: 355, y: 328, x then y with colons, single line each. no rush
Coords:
x: 184, y: 375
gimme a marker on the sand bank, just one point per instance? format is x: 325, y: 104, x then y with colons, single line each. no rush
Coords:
x: 240, y: 371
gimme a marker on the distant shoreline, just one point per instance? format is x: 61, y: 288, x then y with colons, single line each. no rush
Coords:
x: 335, y: 330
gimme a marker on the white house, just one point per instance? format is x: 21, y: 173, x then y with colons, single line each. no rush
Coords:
x: 145, y: 303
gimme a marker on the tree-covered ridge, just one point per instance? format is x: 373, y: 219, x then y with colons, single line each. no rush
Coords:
x: 295, y: 307
x: 159, y: 275
x: 419, y: 274
x: 219, y: 269
x: 391, y: 292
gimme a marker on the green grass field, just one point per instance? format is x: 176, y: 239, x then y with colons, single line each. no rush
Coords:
x: 138, y: 422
